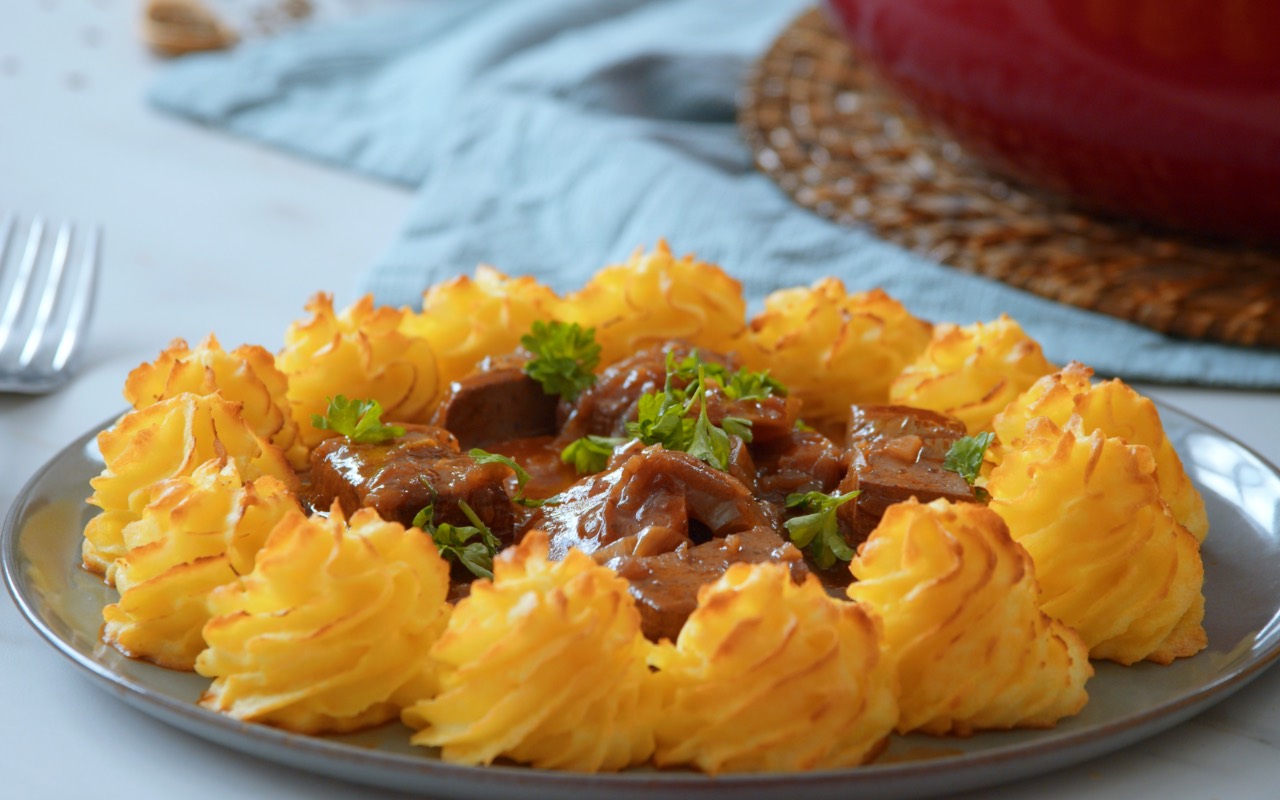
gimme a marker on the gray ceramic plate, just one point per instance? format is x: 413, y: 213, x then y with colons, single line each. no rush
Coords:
x: 41, y: 545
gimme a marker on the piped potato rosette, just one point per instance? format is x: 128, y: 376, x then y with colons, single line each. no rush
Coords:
x: 545, y: 665
x: 1114, y: 408
x: 330, y: 631
x: 832, y: 348
x: 198, y: 532
x: 972, y: 372
x: 1112, y: 561
x: 362, y: 352
x: 168, y: 439
x: 469, y: 319
x: 656, y: 297
x: 247, y: 375
x: 962, y: 624
x: 772, y: 676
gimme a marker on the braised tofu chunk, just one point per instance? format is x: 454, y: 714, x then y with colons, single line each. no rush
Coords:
x: 772, y: 418
x: 802, y: 461
x: 665, y: 586
x: 668, y: 523
x: 870, y: 426
x: 896, y: 453
x: 399, y: 478
x: 649, y: 490
x: 497, y: 403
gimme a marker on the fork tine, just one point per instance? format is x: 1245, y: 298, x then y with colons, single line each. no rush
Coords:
x: 81, y: 300
x: 18, y: 291
x: 6, y: 231
x: 52, y: 288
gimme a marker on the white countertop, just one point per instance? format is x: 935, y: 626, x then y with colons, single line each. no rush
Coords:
x: 208, y: 233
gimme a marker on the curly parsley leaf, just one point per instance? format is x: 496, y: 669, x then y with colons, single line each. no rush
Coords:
x: 358, y: 420
x: 522, y: 475
x: 965, y: 456
x: 817, y: 531
x: 660, y: 419
x: 665, y: 418
x: 454, y: 541
x: 708, y: 442
x: 737, y: 426
x: 744, y: 385
x: 686, y: 369
x: 740, y: 385
x: 590, y: 453
x: 564, y: 357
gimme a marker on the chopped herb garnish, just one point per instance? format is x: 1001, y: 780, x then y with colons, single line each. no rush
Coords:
x: 708, y: 442
x: 590, y: 453
x: 660, y: 418
x: 665, y: 418
x: 686, y: 369
x: 740, y: 385
x: 454, y: 541
x: 744, y: 385
x: 965, y: 456
x: 801, y: 425
x: 358, y: 420
x: 737, y: 426
x: 564, y: 357
x: 817, y: 531
x: 522, y: 475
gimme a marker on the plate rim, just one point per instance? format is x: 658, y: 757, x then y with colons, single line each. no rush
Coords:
x: 961, y: 771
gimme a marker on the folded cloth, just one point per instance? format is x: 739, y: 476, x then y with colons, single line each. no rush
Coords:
x: 552, y: 137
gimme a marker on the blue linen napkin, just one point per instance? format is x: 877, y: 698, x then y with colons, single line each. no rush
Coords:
x: 553, y: 137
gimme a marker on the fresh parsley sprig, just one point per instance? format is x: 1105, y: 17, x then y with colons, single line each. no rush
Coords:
x: 454, y: 541
x: 358, y: 420
x: 965, y: 456
x: 590, y: 453
x: 740, y: 385
x: 564, y: 357
x: 817, y: 531
x: 745, y: 385
x: 709, y: 442
x: 660, y: 418
x: 666, y: 419
x: 522, y: 475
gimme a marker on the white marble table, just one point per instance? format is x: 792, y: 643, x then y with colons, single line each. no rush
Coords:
x: 204, y: 232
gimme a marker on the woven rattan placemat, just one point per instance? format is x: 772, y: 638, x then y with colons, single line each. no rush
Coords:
x: 838, y: 143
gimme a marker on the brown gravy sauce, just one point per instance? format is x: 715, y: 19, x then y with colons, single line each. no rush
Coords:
x: 540, y: 456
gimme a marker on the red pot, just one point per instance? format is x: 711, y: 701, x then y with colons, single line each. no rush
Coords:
x: 1164, y: 110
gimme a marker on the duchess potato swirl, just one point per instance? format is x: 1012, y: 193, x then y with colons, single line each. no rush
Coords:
x: 545, y: 665
x: 962, y: 617
x: 247, y: 375
x: 972, y: 372
x: 832, y: 348
x: 1112, y: 562
x: 656, y: 297
x: 167, y: 440
x: 330, y: 632
x: 198, y: 533
x: 1114, y: 408
x: 772, y: 676
x: 962, y: 624
x: 467, y: 319
x: 361, y: 352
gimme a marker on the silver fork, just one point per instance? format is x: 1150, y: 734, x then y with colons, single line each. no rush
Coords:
x: 46, y: 299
